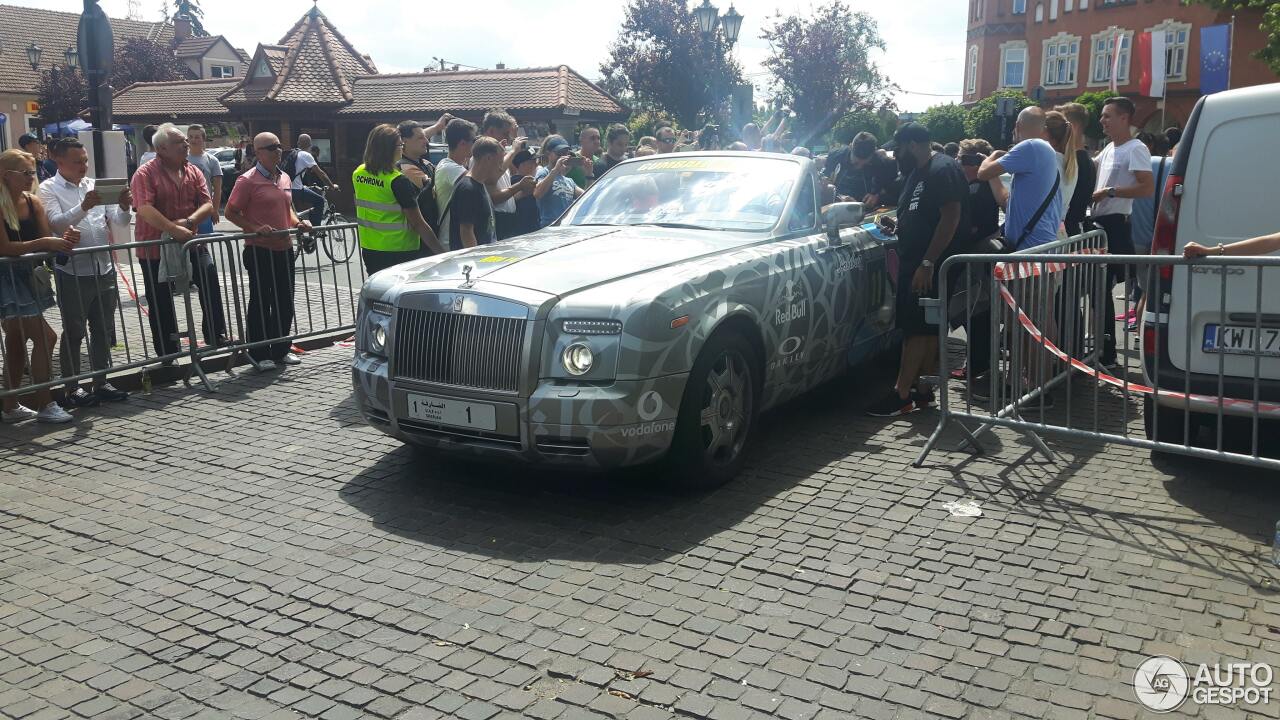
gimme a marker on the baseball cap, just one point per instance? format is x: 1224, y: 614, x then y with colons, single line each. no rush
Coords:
x: 911, y: 133
x: 556, y: 146
x: 521, y: 157
x: 27, y: 138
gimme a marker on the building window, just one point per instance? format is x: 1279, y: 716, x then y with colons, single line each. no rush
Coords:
x: 222, y: 71
x: 1053, y: 9
x: 1069, y: 5
x: 1061, y: 59
x: 1105, y: 46
x: 1019, y: 7
x: 1013, y: 65
x: 971, y: 84
x: 261, y: 70
x: 1176, y: 37
x: 1084, y: 4
x: 1039, y: 12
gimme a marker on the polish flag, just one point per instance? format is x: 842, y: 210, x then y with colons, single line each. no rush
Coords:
x: 1151, y: 54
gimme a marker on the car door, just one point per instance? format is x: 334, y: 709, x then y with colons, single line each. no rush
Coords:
x: 797, y: 323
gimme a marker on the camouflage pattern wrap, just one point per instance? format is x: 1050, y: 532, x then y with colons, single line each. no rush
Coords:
x: 808, y: 305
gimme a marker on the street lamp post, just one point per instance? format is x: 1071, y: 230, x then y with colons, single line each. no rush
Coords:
x: 708, y: 18
x: 96, y: 50
x: 72, y: 56
x: 33, y: 56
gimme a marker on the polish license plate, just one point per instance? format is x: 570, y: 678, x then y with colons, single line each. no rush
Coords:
x: 1242, y: 340
x: 456, y: 413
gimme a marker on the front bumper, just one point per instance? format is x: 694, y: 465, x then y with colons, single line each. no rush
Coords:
x: 559, y: 424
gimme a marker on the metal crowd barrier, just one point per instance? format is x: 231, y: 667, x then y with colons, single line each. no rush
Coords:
x: 278, y: 297
x: 1207, y: 385
x: 325, y: 297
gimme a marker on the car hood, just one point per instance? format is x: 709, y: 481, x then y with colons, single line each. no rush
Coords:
x: 562, y: 260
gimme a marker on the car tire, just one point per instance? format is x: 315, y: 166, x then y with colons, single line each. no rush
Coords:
x: 1164, y: 424
x: 717, y: 413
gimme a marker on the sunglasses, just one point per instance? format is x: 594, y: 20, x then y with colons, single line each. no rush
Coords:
x: 269, y: 148
x: 666, y: 141
x: 28, y: 173
x: 971, y: 160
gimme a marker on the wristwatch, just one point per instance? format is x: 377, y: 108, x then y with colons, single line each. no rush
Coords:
x: 1111, y: 192
x: 927, y: 263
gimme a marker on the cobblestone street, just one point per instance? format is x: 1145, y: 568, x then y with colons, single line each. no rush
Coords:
x: 260, y: 552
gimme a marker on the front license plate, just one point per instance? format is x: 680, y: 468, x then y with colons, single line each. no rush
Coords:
x: 1242, y: 340
x: 457, y: 413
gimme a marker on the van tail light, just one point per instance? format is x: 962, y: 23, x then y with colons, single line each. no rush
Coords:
x: 1149, y: 348
x: 1165, y: 239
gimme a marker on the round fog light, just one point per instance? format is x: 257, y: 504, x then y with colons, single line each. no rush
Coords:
x: 379, y: 337
x: 577, y: 359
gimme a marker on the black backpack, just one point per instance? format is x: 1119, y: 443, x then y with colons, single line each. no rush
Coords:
x: 289, y: 162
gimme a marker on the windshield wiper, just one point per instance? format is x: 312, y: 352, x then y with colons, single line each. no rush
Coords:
x: 679, y: 226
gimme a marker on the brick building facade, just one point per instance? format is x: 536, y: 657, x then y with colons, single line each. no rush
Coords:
x: 1066, y: 46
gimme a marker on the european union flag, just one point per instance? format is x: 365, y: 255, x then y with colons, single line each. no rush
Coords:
x: 1215, y: 58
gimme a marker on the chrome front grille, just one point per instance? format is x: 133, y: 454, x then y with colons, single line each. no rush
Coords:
x: 470, y: 351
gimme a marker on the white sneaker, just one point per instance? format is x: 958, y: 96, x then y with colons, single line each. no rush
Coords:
x: 19, y: 414
x: 290, y: 359
x: 54, y: 414
x: 264, y: 366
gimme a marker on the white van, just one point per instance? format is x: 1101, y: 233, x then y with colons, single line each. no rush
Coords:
x: 1224, y: 186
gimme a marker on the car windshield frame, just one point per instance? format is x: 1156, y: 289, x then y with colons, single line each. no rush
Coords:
x: 773, y: 181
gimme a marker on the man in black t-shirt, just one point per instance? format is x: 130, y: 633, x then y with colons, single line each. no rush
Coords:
x: 528, y: 219
x: 414, y: 164
x: 617, y: 139
x: 932, y: 215
x: 863, y: 172
x: 470, y: 210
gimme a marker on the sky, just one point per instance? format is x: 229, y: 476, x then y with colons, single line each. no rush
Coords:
x: 924, y: 57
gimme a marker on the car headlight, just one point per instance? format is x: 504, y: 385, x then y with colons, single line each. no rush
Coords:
x: 378, y: 328
x: 577, y: 359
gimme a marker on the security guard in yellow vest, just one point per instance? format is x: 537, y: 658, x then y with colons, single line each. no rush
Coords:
x: 392, y: 229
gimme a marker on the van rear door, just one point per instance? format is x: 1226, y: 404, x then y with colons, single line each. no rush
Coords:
x: 1231, y: 192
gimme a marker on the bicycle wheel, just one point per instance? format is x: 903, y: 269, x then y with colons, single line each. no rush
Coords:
x: 338, y: 245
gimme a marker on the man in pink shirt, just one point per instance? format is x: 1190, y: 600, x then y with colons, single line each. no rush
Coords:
x: 261, y: 203
x: 172, y: 198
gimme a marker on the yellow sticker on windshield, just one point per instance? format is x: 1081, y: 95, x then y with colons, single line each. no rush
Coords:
x: 714, y: 164
x: 496, y: 259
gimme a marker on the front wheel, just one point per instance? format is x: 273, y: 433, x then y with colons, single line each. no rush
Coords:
x: 717, y: 413
x: 338, y: 244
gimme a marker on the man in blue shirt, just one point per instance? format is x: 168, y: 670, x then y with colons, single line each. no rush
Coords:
x: 1034, y: 166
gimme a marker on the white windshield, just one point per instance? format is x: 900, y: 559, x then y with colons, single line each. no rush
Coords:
x: 717, y: 193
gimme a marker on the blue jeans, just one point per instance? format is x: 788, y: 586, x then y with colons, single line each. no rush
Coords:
x: 312, y: 199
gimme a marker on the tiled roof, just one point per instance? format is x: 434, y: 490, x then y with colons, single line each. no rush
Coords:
x: 318, y: 67
x: 196, y: 46
x: 54, y: 32
x: 176, y: 99
x: 553, y: 88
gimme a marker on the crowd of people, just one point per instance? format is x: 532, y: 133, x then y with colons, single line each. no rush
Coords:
x: 494, y: 185
x: 1048, y: 187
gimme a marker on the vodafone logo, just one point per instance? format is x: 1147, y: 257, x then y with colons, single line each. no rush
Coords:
x: 650, y: 405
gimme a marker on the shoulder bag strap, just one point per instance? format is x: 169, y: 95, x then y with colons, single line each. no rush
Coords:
x: 1035, y: 219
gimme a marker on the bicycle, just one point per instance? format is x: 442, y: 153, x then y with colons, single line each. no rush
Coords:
x: 339, y: 245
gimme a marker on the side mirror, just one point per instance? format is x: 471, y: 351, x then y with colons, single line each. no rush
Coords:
x: 842, y: 215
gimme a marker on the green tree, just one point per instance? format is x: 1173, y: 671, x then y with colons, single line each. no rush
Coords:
x: 1270, y: 25
x: 1093, y: 101
x: 662, y: 61
x: 140, y: 60
x: 62, y: 94
x: 981, y: 120
x: 882, y: 123
x: 646, y: 122
x: 191, y: 10
x: 945, y: 122
x: 822, y: 66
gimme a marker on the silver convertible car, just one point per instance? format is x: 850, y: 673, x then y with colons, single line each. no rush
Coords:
x: 674, y: 301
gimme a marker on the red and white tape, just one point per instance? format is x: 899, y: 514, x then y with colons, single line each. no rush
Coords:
x: 1016, y: 270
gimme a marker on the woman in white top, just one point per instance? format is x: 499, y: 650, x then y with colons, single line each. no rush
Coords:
x: 1065, y: 142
